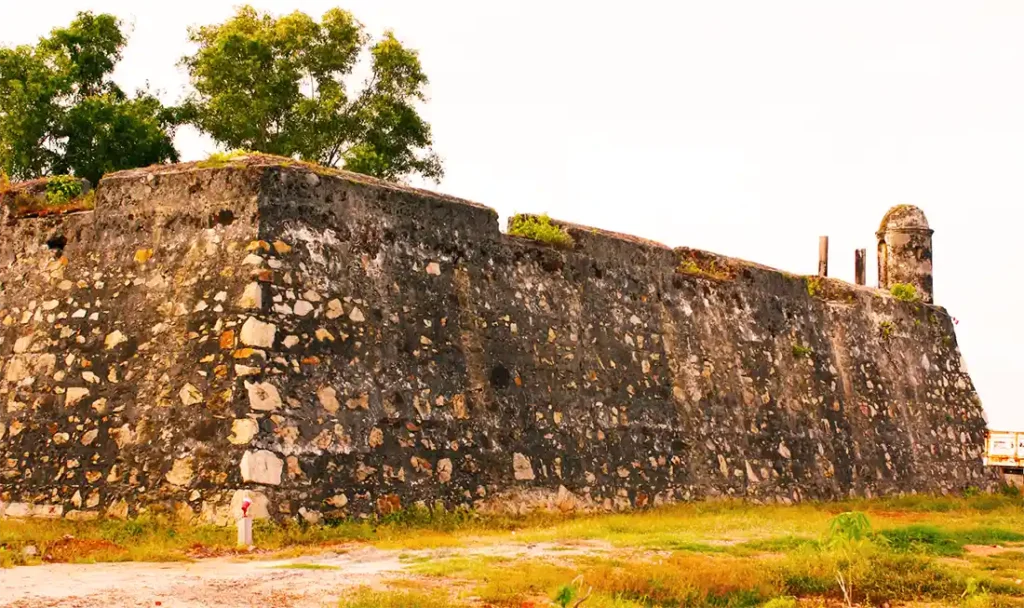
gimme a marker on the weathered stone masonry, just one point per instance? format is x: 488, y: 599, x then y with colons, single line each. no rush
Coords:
x: 337, y: 346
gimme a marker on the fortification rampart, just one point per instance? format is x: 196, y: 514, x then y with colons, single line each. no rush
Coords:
x: 336, y: 346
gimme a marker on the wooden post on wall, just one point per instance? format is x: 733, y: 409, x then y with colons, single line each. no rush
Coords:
x: 823, y: 256
x: 860, y: 266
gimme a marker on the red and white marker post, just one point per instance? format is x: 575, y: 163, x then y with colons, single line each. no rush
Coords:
x: 245, y: 524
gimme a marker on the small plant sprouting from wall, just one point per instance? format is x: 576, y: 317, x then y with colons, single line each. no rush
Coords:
x: 904, y: 292
x: 62, y: 189
x: 802, y: 352
x: 705, y: 267
x: 886, y: 328
x: 814, y: 287
x: 539, y: 228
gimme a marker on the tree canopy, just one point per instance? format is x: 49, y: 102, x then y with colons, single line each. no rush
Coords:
x: 280, y: 86
x: 60, y: 112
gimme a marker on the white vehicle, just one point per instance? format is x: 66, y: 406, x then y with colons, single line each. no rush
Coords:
x: 1004, y: 450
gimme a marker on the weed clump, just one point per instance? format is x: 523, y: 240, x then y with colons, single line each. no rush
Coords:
x: 61, y: 189
x: 540, y: 228
x: 904, y: 292
x: 704, y: 265
x: 801, y: 352
x: 814, y: 287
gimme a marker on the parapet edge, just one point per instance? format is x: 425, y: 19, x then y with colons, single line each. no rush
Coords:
x: 589, y: 240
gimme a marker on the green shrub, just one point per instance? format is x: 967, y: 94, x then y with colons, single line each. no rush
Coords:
x: 904, y: 292
x: 539, y: 228
x: 62, y: 188
x: 848, y: 526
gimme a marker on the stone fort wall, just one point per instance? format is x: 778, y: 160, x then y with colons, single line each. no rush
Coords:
x: 335, y: 346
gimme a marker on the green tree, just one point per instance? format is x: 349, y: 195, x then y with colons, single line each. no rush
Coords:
x: 278, y: 85
x: 61, y: 113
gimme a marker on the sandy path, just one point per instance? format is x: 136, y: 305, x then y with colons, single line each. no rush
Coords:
x: 228, y: 582
x: 219, y: 582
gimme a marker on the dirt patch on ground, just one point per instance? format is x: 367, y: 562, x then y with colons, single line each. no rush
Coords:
x: 240, y: 580
x: 988, y: 550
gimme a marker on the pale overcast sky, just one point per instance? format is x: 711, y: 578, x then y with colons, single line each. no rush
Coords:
x: 745, y: 128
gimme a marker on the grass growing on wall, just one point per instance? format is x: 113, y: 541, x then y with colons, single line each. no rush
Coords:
x: 219, y: 159
x: 539, y: 228
x: 904, y: 292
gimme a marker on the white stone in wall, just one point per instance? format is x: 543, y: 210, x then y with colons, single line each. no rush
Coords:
x: 243, y: 430
x: 23, y: 343
x: 252, y: 296
x: 190, y: 395
x: 263, y: 396
x: 113, y: 339
x: 334, y: 309
x: 90, y: 436
x: 74, y: 395
x: 262, y: 466
x: 328, y: 399
x: 181, y: 472
x: 522, y: 467
x: 258, y: 333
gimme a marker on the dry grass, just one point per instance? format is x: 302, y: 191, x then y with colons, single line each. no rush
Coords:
x: 367, y: 597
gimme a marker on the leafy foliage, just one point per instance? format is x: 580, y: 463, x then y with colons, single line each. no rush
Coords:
x: 565, y: 595
x: 62, y: 188
x: 800, y: 351
x: 850, y: 526
x: 61, y: 113
x: 278, y: 85
x: 539, y: 228
x: 904, y: 292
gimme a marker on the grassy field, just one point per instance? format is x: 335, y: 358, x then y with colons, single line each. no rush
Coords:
x: 935, y: 551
